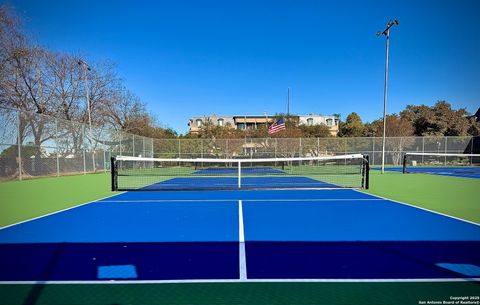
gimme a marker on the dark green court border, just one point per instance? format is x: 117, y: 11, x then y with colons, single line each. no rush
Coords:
x: 238, y: 293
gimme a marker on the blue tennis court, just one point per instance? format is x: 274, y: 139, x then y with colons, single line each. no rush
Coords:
x: 234, y: 171
x: 212, y: 183
x: 240, y: 235
x: 461, y: 172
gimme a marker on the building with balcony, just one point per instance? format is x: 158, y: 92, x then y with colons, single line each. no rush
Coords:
x: 259, y: 121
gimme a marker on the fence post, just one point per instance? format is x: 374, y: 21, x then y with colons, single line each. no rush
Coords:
x: 143, y: 147
x: 300, y: 147
x: 92, y: 149
x: 373, y: 151
x: 400, y: 151
x: 245, y: 143
x: 56, y: 147
x: 318, y: 147
x: 423, y: 147
x: 19, y: 147
x: 227, y: 154
x: 445, y: 161
x: 275, y: 151
x: 253, y: 149
x: 84, y: 157
x: 153, y: 151
x: 471, y: 151
x: 104, y: 158
x: 179, y: 149
x: 133, y: 145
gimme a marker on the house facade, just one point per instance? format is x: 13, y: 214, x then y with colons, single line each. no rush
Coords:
x: 261, y: 121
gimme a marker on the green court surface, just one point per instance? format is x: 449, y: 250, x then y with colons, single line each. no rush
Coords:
x: 239, y: 293
x: 23, y: 200
x: 453, y: 196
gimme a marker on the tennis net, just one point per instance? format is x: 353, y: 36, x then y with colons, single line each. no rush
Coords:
x: 441, y: 163
x: 137, y: 173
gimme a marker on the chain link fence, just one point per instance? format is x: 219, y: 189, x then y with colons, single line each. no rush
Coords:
x: 395, y: 147
x: 34, y: 145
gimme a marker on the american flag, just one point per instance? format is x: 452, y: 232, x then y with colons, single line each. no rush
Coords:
x: 277, y: 126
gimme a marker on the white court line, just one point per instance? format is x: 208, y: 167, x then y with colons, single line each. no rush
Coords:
x: 234, y: 199
x: 179, y: 200
x: 421, y: 280
x: 417, y: 207
x: 60, y: 211
x: 243, y: 276
x: 241, y: 237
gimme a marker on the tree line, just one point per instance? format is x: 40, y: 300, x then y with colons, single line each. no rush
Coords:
x: 437, y: 120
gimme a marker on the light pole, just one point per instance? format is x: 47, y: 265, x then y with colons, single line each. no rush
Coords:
x: 85, y: 68
x: 386, y: 32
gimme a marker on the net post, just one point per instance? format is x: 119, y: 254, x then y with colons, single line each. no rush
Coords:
x: 113, y: 171
x: 404, y: 163
x: 366, y: 178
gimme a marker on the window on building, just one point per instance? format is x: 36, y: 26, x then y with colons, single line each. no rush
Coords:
x: 310, y: 122
x: 240, y: 126
x: 199, y: 123
x: 329, y: 122
x: 220, y: 122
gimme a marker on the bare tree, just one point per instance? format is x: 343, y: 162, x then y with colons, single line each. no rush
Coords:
x: 121, y: 108
x: 10, y: 40
x: 66, y: 85
x: 103, y: 85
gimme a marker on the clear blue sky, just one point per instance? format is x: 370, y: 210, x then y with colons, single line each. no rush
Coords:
x: 186, y: 58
